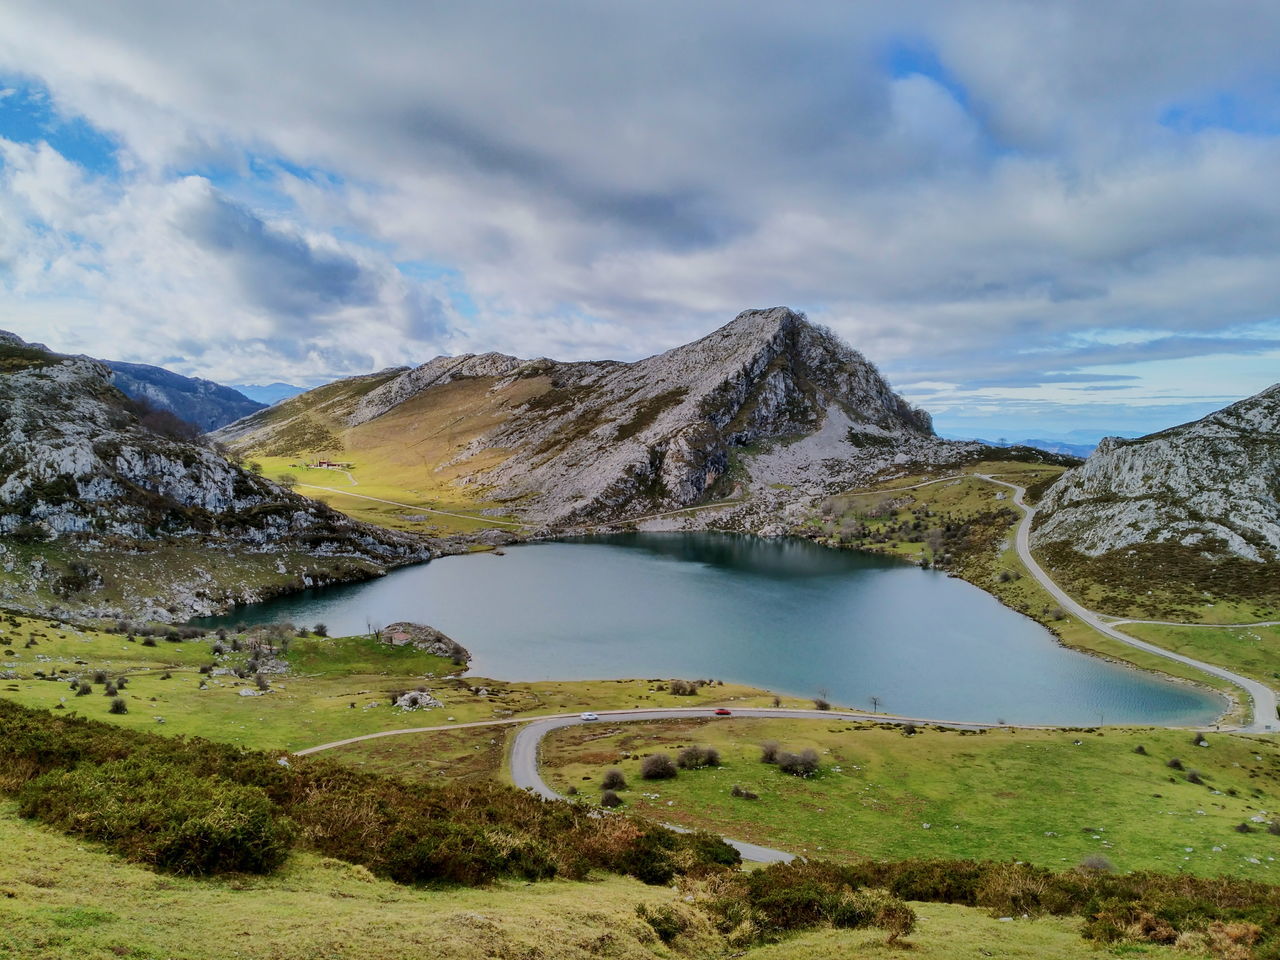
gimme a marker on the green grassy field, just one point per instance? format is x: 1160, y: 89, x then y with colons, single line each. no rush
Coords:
x: 336, y: 688
x: 61, y: 897
x: 372, y: 478
x: 1252, y: 651
x: 1048, y: 797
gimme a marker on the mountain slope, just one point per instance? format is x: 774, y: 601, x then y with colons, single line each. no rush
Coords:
x: 1177, y: 502
x: 204, y: 403
x: 83, y: 484
x: 769, y: 393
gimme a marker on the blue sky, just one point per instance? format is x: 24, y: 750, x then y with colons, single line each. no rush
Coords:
x: 1038, y: 219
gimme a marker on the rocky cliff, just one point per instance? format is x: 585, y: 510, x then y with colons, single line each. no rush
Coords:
x: 768, y: 399
x: 1212, y: 485
x: 82, y: 483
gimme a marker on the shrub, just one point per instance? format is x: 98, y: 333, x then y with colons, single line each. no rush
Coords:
x: 769, y: 751
x: 1097, y: 863
x: 610, y: 798
x: 1140, y: 749
x: 743, y: 793
x: 821, y: 703
x: 84, y: 689
x: 99, y: 676
x: 110, y: 690
x: 1195, y: 776
x: 1199, y: 740
x: 1243, y: 827
x: 802, y: 764
x: 665, y: 921
x: 657, y: 766
x: 154, y: 813
x: 695, y: 758
x: 148, y: 641
x: 683, y: 688
x: 320, y: 630
x: 122, y: 682
x: 119, y: 706
x: 613, y: 780
x: 1273, y: 828
x: 1174, y: 764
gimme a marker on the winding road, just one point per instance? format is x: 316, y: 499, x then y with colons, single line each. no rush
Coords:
x: 524, y: 751
x: 1264, y: 698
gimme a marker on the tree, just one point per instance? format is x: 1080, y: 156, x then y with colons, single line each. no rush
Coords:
x: 875, y: 704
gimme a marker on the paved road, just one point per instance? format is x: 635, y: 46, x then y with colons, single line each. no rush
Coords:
x: 416, y: 507
x: 524, y: 752
x: 1264, y: 698
x: 1116, y: 621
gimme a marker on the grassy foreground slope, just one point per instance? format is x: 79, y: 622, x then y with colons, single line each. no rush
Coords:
x: 61, y: 898
x: 1052, y: 798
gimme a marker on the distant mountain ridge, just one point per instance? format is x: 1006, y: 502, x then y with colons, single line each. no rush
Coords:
x: 769, y: 399
x: 204, y: 403
x: 267, y: 393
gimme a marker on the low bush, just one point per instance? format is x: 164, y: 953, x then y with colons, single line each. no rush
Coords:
x: 118, y: 706
x: 1174, y: 764
x: 613, y: 780
x: 802, y: 764
x: 610, y: 798
x: 696, y: 757
x: 163, y: 816
x: 657, y: 766
x: 769, y: 751
x: 743, y: 793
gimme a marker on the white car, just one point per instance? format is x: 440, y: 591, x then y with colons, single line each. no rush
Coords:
x: 589, y: 716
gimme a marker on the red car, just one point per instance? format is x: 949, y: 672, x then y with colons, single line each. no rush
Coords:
x: 723, y: 712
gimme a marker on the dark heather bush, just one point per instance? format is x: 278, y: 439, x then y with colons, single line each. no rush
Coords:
x: 110, y: 690
x: 119, y: 706
x: 1195, y: 776
x: 821, y: 703
x: 613, y: 780
x: 84, y: 689
x: 99, y: 676
x: 657, y: 766
x: 413, y: 833
x: 1140, y: 749
x: 769, y: 751
x: 163, y: 816
x: 1174, y: 764
x: 148, y: 641
x: 610, y: 798
x: 802, y: 764
x: 122, y: 683
x: 696, y: 757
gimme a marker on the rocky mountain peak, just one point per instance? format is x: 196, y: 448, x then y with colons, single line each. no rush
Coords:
x: 1213, y: 485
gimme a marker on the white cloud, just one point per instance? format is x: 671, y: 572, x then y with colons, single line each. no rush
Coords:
x: 612, y: 180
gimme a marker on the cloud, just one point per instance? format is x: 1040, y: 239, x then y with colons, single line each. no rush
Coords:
x: 971, y: 193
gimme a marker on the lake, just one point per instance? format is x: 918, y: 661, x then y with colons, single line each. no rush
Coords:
x: 782, y: 614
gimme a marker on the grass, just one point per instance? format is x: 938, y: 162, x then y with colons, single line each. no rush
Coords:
x: 337, y: 688
x: 60, y: 897
x: 1047, y: 797
x: 1252, y: 651
x: 371, y: 480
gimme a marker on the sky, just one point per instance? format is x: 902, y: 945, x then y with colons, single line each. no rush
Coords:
x: 1039, y: 218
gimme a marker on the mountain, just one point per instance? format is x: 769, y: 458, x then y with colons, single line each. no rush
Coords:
x: 106, y: 515
x: 1189, y: 500
x: 268, y: 393
x: 1080, y: 450
x: 767, y: 400
x: 204, y: 403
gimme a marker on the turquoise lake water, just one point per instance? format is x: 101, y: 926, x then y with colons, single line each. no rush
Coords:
x: 786, y: 615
